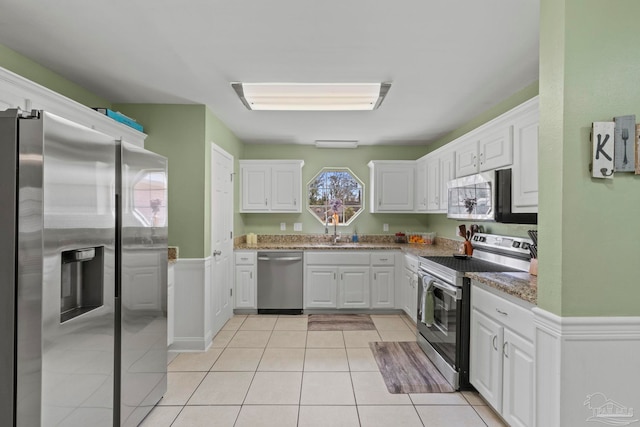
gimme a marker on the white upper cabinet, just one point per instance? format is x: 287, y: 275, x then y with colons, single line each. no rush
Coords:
x: 421, y: 185
x: 466, y: 157
x: 439, y: 170
x: 525, y: 162
x: 447, y: 173
x: 256, y: 187
x: 271, y: 185
x: 496, y: 149
x: 392, y: 185
x: 491, y: 149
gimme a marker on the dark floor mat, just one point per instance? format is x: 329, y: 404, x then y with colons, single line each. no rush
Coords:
x: 340, y: 322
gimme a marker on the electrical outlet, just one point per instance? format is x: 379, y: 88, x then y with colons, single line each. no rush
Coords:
x: 385, y: 227
x: 297, y: 226
x: 283, y: 226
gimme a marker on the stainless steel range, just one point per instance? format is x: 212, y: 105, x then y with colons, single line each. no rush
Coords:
x: 443, y: 299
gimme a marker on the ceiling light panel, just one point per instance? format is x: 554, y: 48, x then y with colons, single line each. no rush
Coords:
x: 311, y: 96
x: 336, y: 144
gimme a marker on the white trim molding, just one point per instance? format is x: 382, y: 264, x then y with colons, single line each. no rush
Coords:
x: 17, y: 91
x: 192, y: 330
x: 587, y: 370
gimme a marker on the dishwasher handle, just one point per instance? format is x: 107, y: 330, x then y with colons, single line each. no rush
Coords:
x: 285, y: 258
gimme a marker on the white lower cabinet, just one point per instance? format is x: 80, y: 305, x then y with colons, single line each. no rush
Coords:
x: 410, y: 286
x: 502, y: 356
x: 245, y: 280
x: 382, y: 287
x: 337, y: 287
x: 321, y: 287
x: 486, y: 358
x: 383, y: 284
x: 349, y: 280
x: 517, y: 382
x: 353, y: 286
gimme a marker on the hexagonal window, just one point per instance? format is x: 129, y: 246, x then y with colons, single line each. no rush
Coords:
x: 336, y: 196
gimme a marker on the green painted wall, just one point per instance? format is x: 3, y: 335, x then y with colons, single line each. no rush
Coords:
x: 588, y: 237
x: 33, y: 71
x: 317, y: 158
x: 178, y: 133
x: 183, y: 133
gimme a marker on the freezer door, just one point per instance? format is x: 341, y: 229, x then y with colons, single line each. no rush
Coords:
x: 78, y: 282
x: 143, y: 288
x: 8, y: 257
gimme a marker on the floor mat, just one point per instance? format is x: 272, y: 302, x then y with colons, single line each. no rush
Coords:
x: 340, y: 322
x: 406, y: 369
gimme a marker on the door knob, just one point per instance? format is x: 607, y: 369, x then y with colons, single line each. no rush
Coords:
x: 216, y: 253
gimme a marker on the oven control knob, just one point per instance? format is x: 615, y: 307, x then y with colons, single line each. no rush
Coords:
x: 524, y: 245
x: 475, y: 238
x: 516, y: 244
x: 483, y: 239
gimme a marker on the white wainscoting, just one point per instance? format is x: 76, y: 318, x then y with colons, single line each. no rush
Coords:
x: 579, y: 357
x: 192, y: 329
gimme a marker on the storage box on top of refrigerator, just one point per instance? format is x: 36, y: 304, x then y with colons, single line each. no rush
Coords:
x: 83, y: 275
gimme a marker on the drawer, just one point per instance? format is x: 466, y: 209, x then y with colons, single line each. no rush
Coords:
x: 516, y: 318
x: 245, y: 258
x: 384, y: 258
x: 337, y: 258
x: 411, y: 262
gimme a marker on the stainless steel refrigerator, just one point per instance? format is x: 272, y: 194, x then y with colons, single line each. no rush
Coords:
x: 83, y: 241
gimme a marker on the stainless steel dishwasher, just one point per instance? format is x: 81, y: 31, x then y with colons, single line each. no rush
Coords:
x: 280, y: 282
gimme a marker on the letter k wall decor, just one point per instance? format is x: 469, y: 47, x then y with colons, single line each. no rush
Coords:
x: 603, y: 149
x: 614, y: 147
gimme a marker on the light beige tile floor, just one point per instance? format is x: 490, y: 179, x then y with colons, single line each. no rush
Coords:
x: 264, y: 371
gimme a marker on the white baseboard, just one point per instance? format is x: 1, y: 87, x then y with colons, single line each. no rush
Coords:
x: 579, y: 357
x: 187, y: 344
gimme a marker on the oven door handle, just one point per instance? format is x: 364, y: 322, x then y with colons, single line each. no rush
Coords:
x: 450, y: 290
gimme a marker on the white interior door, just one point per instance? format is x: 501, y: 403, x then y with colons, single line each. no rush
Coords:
x: 221, y: 236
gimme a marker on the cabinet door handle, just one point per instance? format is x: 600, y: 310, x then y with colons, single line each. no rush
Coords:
x: 334, y: 276
x: 502, y: 312
x: 475, y: 163
x: 375, y: 276
x: 295, y: 201
x: 251, y: 275
x: 266, y: 202
x: 495, y: 339
x: 504, y: 349
x: 341, y: 276
x: 379, y: 202
x: 481, y: 158
x: 384, y: 259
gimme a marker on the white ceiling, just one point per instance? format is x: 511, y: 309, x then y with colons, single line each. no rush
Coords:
x: 448, y: 60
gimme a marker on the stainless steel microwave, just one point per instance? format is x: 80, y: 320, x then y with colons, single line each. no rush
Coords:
x: 485, y: 197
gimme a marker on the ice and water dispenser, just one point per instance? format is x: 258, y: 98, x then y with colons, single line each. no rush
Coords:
x: 82, y: 284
